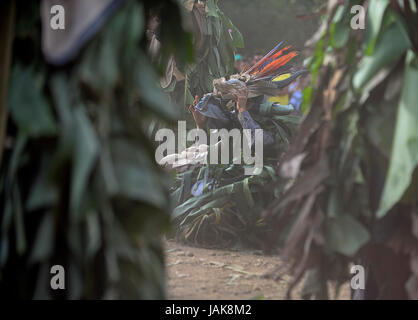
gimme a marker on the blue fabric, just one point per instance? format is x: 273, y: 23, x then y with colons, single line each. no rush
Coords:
x: 296, y: 99
x: 85, y: 36
x: 209, y: 106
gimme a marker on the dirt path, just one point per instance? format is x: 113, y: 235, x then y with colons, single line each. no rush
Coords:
x: 196, y: 273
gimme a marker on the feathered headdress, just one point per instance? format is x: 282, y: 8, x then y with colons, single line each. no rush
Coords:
x: 259, y: 78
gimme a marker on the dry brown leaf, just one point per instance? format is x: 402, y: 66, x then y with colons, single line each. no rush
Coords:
x: 300, y: 227
x: 306, y: 183
x: 307, y: 128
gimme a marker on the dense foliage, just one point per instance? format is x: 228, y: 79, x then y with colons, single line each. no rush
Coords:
x: 352, y: 168
x: 216, y: 40
x: 79, y: 186
x: 226, y: 209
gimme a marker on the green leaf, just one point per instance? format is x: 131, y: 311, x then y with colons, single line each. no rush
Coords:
x: 107, y: 71
x: 318, y: 58
x: 208, y: 207
x: 213, y: 64
x: 150, y: 91
x: 189, y: 205
x: 44, y: 241
x: 225, y: 50
x: 139, y: 183
x: 86, y: 146
x: 75, y: 280
x: 340, y: 34
x: 404, y: 156
x: 133, y: 32
x: 271, y: 172
x: 393, y: 43
x: 136, y: 175
x: 19, y: 221
x: 288, y: 119
x: 218, y: 61
x: 376, y: 11
x: 199, y: 201
x: 247, y: 193
x: 237, y: 38
x: 28, y: 106
x: 43, y: 193
x: 217, y: 26
x: 110, y: 183
x: 15, y: 159
x: 270, y: 108
x: 204, y: 23
x: 346, y: 235
x: 212, y: 9
x: 381, y: 126
x: 188, y: 98
x: 340, y: 30
x: 93, y: 234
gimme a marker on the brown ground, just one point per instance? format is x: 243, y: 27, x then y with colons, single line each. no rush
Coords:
x: 196, y: 273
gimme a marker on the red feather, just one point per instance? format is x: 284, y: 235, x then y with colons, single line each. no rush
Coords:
x: 262, y: 60
x: 276, y: 64
x: 271, y: 62
x: 272, y: 58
